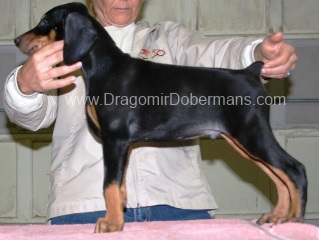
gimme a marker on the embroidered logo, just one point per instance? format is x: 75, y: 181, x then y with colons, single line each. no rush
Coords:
x: 149, y: 54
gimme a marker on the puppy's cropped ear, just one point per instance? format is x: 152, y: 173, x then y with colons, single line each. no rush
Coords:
x: 79, y: 37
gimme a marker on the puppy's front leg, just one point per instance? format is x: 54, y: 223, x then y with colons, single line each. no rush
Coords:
x: 115, y: 158
x: 114, y: 219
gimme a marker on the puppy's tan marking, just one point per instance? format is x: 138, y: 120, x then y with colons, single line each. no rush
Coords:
x: 92, y: 115
x: 114, y: 218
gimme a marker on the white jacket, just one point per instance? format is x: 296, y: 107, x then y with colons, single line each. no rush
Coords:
x: 165, y: 173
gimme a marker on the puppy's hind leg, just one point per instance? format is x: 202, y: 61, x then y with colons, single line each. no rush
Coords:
x: 115, y: 159
x: 287, y: 173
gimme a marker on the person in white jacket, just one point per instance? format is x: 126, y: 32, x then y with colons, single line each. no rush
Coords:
x: 164, y: 181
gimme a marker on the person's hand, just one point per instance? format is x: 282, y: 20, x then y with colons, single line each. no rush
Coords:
x: 39, y: 73
x: 279, y: 57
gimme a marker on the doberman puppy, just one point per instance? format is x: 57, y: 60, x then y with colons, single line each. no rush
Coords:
x: 109, y: 72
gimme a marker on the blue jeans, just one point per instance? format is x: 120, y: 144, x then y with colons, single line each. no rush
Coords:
x: 143, y: 214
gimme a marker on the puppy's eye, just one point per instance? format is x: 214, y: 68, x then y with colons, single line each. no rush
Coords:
x: 43, y: 23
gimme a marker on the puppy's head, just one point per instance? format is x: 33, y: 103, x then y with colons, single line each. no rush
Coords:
x: 71, y: 22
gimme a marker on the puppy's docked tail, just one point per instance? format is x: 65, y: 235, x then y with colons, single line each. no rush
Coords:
x: 255, y: 69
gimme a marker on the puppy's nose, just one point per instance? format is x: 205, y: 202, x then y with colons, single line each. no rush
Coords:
x: 17, y: 41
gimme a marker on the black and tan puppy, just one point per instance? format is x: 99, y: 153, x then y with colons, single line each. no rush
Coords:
x: 107, y: 69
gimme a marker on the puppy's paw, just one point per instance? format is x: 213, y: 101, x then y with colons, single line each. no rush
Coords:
x: 278, y: 218
x: 104, y: 225
x: 272, y: 218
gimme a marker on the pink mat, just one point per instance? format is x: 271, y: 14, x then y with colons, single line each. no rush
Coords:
x: 217, y: 229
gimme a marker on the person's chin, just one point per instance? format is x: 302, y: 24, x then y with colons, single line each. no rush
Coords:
x: 121, y: 22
